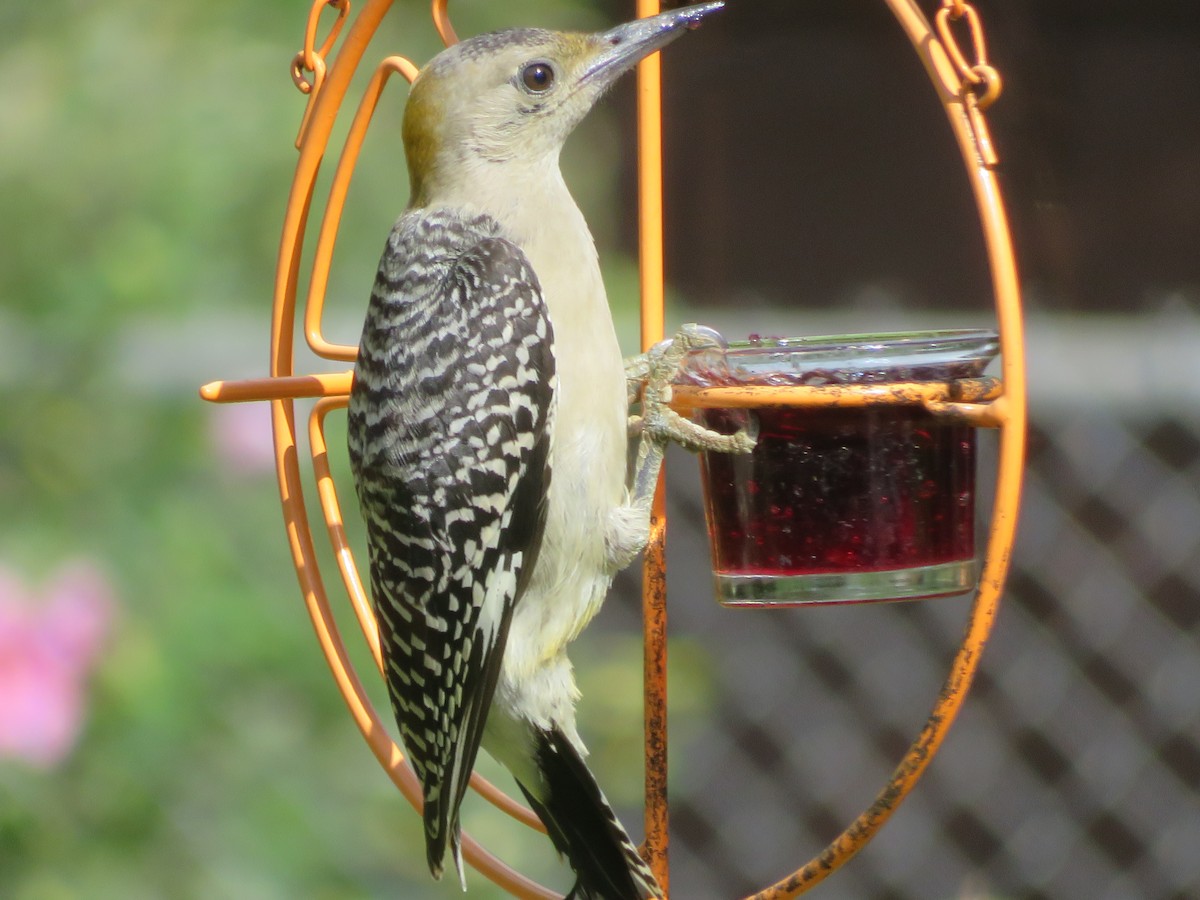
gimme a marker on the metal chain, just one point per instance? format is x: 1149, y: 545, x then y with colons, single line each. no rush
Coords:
x: 980, y: 82
x: 312, y: 59
x: 979, y: 74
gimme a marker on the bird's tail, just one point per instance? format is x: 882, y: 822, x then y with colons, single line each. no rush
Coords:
x: 584, y: 827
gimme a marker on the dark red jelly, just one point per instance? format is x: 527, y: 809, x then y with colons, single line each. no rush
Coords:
x: 837, y: 490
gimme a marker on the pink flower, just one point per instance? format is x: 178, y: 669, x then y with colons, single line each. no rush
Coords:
x: 48, y: 645
x: 242, y: 437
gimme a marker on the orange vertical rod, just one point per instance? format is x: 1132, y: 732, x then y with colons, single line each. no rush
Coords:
x: 650, y: 188
x: 654, y: 573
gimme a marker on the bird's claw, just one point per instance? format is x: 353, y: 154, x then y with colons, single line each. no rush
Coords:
x: 659, y: 422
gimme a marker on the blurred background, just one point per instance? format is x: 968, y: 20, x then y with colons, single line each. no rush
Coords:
x: 167, y: 727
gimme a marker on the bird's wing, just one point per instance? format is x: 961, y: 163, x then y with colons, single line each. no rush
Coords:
x: 450, y: 441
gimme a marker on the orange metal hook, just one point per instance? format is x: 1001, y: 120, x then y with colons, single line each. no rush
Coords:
x: 327, y: 236
x: 441, y: 21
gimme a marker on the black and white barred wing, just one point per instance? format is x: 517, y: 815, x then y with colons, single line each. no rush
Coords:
x: 449, y: 431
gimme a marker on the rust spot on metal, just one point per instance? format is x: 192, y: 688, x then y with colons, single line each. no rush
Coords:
x: 654, y: 622
x: 966, y: 390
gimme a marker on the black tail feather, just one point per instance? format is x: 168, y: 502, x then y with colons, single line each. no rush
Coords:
x: 584, y: 828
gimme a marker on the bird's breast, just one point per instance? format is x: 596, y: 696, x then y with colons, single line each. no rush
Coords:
x: 588, y: 449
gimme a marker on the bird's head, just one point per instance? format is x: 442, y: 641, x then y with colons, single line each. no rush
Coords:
x: 513, y: 96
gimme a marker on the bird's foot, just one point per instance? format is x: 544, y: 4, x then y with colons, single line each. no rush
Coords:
x: 660, y: 423
x: 653, y: 374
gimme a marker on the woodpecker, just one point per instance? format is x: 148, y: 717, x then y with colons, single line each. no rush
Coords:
x: 489, y: 432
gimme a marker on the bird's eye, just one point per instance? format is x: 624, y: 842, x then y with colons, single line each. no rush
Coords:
x: 538, y: 77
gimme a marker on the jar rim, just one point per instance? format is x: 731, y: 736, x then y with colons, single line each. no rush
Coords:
x: 869, y: 357
x: 864, y: 341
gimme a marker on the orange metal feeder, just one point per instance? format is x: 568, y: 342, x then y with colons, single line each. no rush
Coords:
x: 965, y: 84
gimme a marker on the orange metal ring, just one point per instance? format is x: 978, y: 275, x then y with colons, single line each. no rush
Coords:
x: 979, y: 402
x: 990, y: 82
x: 298, y: 69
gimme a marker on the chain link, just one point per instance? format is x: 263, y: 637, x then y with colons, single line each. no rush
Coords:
x: 980, y: 83
x: 982, y: 78
x: 312, y: 59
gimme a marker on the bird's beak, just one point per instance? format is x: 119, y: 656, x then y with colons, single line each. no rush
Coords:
x: 624, y: 46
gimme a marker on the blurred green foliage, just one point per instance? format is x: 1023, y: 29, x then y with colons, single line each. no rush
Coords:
x: 145, y: 162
